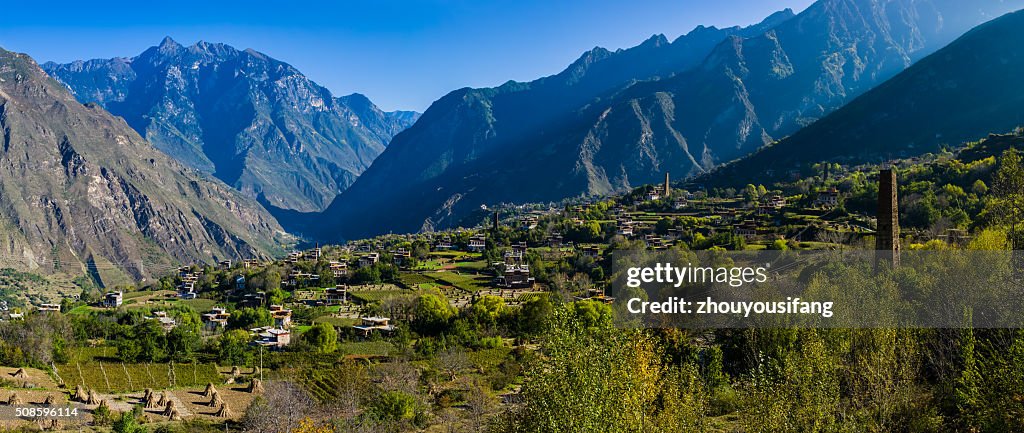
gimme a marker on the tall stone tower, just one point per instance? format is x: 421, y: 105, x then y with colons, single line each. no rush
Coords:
x: 887, y: 239
x: 668, y: 189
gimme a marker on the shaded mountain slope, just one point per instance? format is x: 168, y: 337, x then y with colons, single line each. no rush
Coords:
x: 80, y: 190
x: 254, y: 122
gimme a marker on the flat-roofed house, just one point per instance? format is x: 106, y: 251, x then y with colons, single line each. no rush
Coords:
x: 48, y: 308
x: 369, y: 260
x: 369, y: 325
x: 401, y: 256
x: 217, y: 317
x: 336, y: 295
x: 113, y: 299
x: 443, y: 244
x: 828, y: 198
x: 477, y: 243
x: 271, y: 337
x: 339, y: 269
x: 282, y: 316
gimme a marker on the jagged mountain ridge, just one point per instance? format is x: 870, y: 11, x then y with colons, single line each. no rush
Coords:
x: 254, y: 122
x: 742, y: 92
x: 468, y: 123
x: 80, y: 190
x: 961, y: 93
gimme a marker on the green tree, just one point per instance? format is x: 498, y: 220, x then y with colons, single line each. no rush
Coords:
x: 966, y: 392
x: 323, y: 337
x: 182, y: 343
x: 129, y: 423
x: 535, y: 315
x: 1008, y: 195
x: 432, y: 313
x: 602, y: 379
x: 233, y: 348
x: 248, y: 318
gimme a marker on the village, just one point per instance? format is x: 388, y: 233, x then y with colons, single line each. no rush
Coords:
x: 221, y: 330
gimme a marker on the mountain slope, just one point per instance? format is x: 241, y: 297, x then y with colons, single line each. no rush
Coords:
x: 961, y: 93
x: 741, y: 92
x: 252, y: 121
x: 80, y: 190
x: 468, y: 123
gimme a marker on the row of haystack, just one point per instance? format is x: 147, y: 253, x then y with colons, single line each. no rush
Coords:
x: 89, y: 397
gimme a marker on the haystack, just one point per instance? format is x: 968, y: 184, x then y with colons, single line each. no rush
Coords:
x: 173, y: 415
x: 94, y: 398
x: 150, y: 400
x: 80, y: 394
x: 256, y: 386
x: 161, y: 399
x: 14, y: 400
x: 21, y: 374
x: 235, y: 371
x: 209, y: 391
x: 223, y: 412
x: 103, y: 403
x: 216, y: 400
x: 170, y: 408
x: 49, y: 401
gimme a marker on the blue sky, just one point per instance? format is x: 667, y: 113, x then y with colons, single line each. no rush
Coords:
x: 402, y: 54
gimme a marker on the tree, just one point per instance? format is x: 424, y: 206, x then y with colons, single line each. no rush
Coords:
x: 432, y: 313
x: 488, y: 309
x: 535, y: 315
x: 602, y: 379
x: 966, y: 392
x: 129, y: 423
x: 182, y: 342
x: 233, y: 347
x: 1008, y: 195
x: 395, y: 406
x: 248, y: 318
x: 323, y: 337
x: 592, y: 313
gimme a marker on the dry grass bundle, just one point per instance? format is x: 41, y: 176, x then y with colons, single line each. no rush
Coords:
x: 256, y: 386
x: 216, y: 401
x: 80, y: 394
x: 170, y: 409
x: 223, y: 412
x: 14, y: 399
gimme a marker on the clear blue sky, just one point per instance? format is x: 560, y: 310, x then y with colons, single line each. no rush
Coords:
x: 402, y: 54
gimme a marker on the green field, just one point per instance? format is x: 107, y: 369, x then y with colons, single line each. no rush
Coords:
x: 110, y: 377
x: 338, y: 322
x: 378, y: 295
x: 466, y: 282
x: 373, y: 348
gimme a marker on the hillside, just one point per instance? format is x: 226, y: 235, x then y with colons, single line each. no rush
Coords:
x: 739, y: 90
x: 961, y: 93
x: 81, y: 191
x: 252, y: 121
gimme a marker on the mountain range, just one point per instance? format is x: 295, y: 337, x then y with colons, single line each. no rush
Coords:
x: 614, y: 120
x: 254, y: 122
x: 81, y: 191
x: 961, y: 93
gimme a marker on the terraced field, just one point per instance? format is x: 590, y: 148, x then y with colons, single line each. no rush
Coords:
x: 110, y: 377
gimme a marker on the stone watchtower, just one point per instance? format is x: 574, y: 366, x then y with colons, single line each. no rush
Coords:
x: 887, y: 238
x: 668, y: 188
